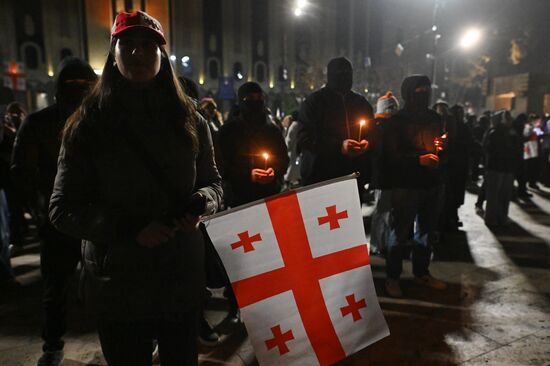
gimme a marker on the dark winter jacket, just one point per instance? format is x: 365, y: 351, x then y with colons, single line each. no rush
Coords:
x: 503, y: 149
x: 323, y: 129
x: 411, y: 133
x: 242, y: 145
x: 105, y: 193
x: 38, y: 140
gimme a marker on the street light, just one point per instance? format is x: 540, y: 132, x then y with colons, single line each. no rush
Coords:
x: 470, y: 38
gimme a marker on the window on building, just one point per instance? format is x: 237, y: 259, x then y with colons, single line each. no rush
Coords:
x: 213, y: 69
x: 31, y: 56
x: 260, y: 72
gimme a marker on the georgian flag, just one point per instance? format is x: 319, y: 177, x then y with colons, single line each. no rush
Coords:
x: 300, y: 269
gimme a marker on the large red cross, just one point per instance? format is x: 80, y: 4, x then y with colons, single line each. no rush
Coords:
x: 353, y: 307
x: 279, y: 339
x: 333, y: 217
x: 301, y: 275
x: 246, y: 241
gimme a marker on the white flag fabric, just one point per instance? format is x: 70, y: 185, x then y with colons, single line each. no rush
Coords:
x: 300, y: 270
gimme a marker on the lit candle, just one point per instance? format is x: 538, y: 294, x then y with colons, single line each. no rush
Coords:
x: 438, y: 142
x: 361, y: 124
x: 266, y: 158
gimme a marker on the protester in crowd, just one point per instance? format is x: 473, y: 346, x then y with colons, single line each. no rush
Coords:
x: 34, y: 166
x: 214, y: 271
x: 7, y: 278
x: 15, y: 114
x: 531, y: 150
x: 459, y: 146
x: 501, y: 146
x: 210, y: 112
x: 386, y: 106
x: 136, y: 171
x: 190, y: 88
x: 477, y: 153
x: 253, y: 151
x: 411, y: 152
x: 332, y: 139
x: 518, y: 124
x: 291, y: 125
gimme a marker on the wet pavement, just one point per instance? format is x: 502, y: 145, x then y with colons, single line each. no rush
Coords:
x: 496, y: 310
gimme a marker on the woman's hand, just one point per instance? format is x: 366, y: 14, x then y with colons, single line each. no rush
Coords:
x: 188, y: 223
x: 154, y: 235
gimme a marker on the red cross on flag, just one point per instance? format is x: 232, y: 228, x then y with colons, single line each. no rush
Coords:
x: 299, y: 267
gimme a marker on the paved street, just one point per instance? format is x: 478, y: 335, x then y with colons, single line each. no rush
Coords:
x: 496, y: 310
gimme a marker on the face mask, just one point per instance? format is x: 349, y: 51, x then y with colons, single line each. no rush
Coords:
x: 421, y: 100
x: 341, y: 81
x: 253, y: 110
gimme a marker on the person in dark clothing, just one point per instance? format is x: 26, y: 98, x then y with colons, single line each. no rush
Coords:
x: 136, y: 171
x: 332, y: 141
x: 386, y: 106
x: 459, y: 145
x: 15, y: 114
x: 478, y: 132
x: 253, y: 151
x: 34, y: 167
x: 410, y: 150
x: 502, y: 147
x: 518, y: 125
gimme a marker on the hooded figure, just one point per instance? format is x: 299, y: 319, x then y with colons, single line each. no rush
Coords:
x: 411, y: 133
x: 411, y: 154
x: 328, y: 118
x: 502, y: 148
x: 248, y: 174
x: 34, y: 166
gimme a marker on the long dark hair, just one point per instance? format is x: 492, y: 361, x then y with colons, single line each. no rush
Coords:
x: 102, y: 99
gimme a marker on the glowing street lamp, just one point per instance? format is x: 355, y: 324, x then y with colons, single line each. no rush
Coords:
x: 470, y: 38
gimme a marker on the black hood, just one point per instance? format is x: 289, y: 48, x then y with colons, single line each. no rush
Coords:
x: 251, y: 111
x: 340, y: 75
x: 415, y: 101
x: 72, y: 68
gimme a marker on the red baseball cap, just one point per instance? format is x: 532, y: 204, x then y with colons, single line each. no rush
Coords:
x: 137, y: 19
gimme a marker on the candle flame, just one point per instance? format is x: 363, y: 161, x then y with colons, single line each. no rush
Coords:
x: 362, y: 123
x: 266, y: 156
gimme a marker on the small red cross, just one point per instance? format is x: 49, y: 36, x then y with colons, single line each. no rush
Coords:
x: 279, y: 340
x: 353, y: 307
x: 333, y: 217
x: 246, y: 241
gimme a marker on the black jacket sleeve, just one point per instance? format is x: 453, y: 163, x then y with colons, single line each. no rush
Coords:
x: 25, y: 162
x: 208, y: 179
x: 74, y: 206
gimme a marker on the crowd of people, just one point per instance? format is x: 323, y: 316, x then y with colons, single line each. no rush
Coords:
x: 119, y: 171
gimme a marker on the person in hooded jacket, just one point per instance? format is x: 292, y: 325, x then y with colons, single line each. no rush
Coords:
x: 502, y: 146
x: 136, y: 171
x: 329, y: 137
x: 34, y: 166
x: 459, y: 146
x: 15, y: 114
x: 386, y: 106
x: 254, y: 157
x: 411, y: 152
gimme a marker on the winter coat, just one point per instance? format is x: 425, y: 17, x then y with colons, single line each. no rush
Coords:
x: 502, y: 148
x: 323, y: 118
x: 242, y: 145
x: 411, y: 133
x: 105, y: 194
x: 34, y: 161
